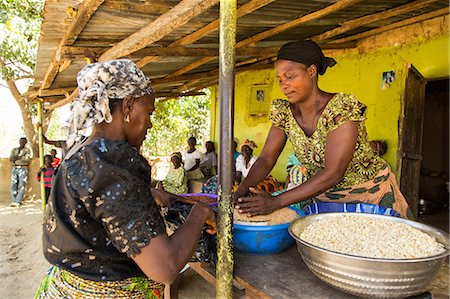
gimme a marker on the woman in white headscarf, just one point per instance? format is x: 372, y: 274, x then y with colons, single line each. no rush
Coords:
x: 103, y: 232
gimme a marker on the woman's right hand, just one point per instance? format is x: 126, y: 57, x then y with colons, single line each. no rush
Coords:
x: 210, y: 217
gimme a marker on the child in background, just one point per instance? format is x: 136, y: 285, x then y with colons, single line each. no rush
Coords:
x: 47, y: 170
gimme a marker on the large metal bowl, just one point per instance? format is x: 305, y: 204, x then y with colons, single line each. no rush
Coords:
x: 370, y: 277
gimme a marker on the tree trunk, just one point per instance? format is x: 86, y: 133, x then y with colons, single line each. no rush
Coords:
x: 24, y: 106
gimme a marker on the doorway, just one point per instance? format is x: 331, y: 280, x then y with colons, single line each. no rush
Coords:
x: 434, y: 169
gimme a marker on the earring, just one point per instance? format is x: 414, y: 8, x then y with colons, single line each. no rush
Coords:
x: 126, y: 119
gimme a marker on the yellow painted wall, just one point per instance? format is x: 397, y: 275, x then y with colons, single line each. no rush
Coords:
x: 359, y: 74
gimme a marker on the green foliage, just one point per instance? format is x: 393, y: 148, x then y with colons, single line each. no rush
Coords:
x: 175, y: 121
x: 20, y: 23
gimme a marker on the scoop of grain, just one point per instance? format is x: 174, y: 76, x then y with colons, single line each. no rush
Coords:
x: 280, y: 216
x: 371, y: 237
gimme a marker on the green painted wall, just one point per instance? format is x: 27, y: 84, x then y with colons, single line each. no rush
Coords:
x: 359, y: 74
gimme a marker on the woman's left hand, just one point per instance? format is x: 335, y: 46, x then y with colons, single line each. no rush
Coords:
x: 163, y: 198
x: 261, y: 203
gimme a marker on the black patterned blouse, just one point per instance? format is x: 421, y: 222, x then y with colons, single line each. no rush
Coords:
x: 101, y: 212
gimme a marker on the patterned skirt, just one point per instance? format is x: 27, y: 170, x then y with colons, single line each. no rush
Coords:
x: 62, y: 284
x: 382, y: 190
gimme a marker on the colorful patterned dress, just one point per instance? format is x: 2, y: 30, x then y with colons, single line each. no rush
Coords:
x: 368, y: 177
x: 176, y: 180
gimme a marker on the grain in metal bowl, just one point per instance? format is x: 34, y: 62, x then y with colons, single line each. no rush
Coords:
x: 370, y: 276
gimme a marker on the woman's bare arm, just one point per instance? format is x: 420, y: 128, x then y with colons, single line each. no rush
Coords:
x: 163, y: 258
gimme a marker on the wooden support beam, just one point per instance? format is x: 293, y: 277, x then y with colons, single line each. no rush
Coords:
x: 267, y: 63
x: 82, y: 52
x: 341, y: 4
x: 171, y: 95
x: 84, y: 13
x: 144, y: 61
x: 240, y: 12
x: 63, y: 102
x: 338, y: 5
x: 72, y: 53
x: 148, y: 7
x: 214, y: 25
x: 352, y: 24
x: 50, y: 92
x: 179, y: 15
x: 413, y: 20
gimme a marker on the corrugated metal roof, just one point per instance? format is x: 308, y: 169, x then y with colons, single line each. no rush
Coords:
x: 115, y: 20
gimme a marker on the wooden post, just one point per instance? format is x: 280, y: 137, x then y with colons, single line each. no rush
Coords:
x: 227, y: 61
x: 41, y: 153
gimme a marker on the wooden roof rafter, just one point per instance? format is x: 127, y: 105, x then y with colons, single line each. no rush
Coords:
x: 352, y: 24
x: 419, y: 18
x: 82, y: 17
x: 341, y: 4
x: 214, y: 25
x: 166, y: 23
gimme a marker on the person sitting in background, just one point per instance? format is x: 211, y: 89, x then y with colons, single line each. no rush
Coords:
x: 208, y: 162
x: 176, y: 180
x: 245, y: 161
x: 192, y: 159
x: 47, y: 170
x: 55, y: 159
x: 296, y: 173
x: 103, y: 231
x: 236, y: 154
x: 329, y: 137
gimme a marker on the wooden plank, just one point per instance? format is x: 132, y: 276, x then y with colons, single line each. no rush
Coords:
x: 352, y: 24
x: 240, y: 12
x: 150, y: 7
x: 191, y: 38
x: 179, y: 15
x: 191, y: 66
x: 267, y: 63
x: 61, y: 103
x: 72, y: 53
x: 413, y: 20
x: 301, y: 20
x: 146, y: 60
x: 271, y: 32
x: 51, y: 92
x: 84, y: 13
x: 250, y: 291
x: 179, y: 94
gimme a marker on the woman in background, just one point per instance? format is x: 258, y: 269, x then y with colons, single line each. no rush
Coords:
x: 192, y: 159
x: 176, y: 180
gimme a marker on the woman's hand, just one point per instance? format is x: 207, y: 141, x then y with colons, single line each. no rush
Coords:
x: 163, y: 198
x: 261, y: 203
x: 210, y: 217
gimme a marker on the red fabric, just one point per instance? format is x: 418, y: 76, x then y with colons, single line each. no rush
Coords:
x: 48, y: 174
x: 56, y: 161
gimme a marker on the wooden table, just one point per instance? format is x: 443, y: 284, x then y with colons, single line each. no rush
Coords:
x: 285, y: 275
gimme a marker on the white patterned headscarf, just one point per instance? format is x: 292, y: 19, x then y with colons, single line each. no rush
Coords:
x: 97, y: 84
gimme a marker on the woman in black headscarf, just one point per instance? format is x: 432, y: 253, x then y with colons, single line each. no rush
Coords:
x: 329, y: 138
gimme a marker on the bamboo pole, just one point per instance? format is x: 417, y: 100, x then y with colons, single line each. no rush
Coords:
x: 227, y: 61
x: 41, y: 153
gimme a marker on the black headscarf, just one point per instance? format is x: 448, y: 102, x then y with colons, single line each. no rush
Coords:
x: 306, y: 52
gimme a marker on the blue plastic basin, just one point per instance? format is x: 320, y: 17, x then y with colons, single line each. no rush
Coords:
x: 263, y: 239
